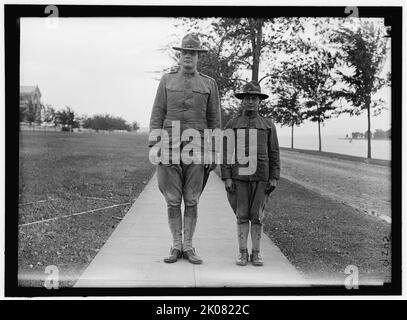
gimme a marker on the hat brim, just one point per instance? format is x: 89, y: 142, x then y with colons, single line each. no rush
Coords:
x: 190, y: 49
x: 240, y: 95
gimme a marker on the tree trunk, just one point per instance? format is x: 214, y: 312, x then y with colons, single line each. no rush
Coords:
x: 319, y: 117
x: 319, y: 135
x: 292, y: 136
x: 256, y: 35
x: 369, y: 147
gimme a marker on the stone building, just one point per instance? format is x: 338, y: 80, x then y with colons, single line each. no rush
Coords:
x: 30, y: 104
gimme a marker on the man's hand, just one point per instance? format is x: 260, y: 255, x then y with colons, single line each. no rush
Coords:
x: 229, y: 186
x: 271, y: 185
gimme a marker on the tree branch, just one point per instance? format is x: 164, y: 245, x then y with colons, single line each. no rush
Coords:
x: 268, y: 75
x: 242, y: 61
x: 237, y: 79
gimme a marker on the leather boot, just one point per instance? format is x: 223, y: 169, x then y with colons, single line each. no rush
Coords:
x: 192, y: 257
x: 256, y: 258
x: 242, y: 234
x: 255, y: 232
x: 175, y: 224
x: 174, y: 255
x: 243, y: 258
x: 190, y: 218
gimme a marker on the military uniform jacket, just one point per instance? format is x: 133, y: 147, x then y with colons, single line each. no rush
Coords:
x: 268, y: 152
x: 193, y: 99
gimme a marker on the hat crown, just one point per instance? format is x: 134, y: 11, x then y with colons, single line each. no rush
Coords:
x: 252, y: 86
x: 191, y: 41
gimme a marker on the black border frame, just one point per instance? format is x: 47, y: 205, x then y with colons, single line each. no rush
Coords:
x: 12, y: 15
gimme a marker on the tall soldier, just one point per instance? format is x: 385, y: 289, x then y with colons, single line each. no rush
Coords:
x: 191, y: 98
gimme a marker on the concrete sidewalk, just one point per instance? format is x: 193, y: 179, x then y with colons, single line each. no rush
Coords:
x: 133, y: 255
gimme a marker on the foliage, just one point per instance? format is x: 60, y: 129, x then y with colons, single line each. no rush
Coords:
x: 30, y: 112
x: 106, y: 122
x: 66, y: 118
x: 363, y: 49
x: 318, y: 84
x: 49, y: 114
x: 358, y: 135
x: 135, y: 126
x: 382, y: 134
x: 285, y: 85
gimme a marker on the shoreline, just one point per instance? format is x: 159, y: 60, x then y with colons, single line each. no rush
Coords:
x: 341, y: 156
x: 364, y: 139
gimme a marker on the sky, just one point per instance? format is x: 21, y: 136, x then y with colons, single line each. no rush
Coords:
x: 106, y: 65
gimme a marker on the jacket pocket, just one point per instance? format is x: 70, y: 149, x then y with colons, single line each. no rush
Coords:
x: 175, y: 96
x: 201, y: 96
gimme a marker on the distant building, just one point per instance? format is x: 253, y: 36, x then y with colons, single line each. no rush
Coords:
x: 30, y: 97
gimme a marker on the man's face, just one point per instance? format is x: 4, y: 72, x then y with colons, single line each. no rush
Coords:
x: 188, y: 59
x: 251, y: 102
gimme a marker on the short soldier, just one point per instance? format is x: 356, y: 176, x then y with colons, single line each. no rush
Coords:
x: 191, y: 99
x: 248, y: 193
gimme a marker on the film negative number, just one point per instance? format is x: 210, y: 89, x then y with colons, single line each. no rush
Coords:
x: 52, y: 20
x: 354, y: 12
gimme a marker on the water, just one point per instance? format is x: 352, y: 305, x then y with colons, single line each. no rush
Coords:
x: 381, y: 149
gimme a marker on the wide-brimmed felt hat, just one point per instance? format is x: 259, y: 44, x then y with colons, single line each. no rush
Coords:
x: 191, y: 42
x: 251, y: 88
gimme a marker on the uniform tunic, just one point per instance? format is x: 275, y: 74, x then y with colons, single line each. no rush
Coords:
x: 249, y: 199
x: 193, y: 100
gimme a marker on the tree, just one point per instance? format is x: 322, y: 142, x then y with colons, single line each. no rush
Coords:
x: 30, y: 113
x: 287, y: 110
x: 388, y: 134
x: 135, y: 126
x: 379, y: 134
x: 311, y: 64
x: 66, y: 118
x: 252, y: 38
x: 23, y: 113
x: 106, y: 122
x: 285, y: 85
x: 364, y: 51
x: 358, y: 135
x: 368, y: 135
x: 317, y: 84
x: 49, y: 114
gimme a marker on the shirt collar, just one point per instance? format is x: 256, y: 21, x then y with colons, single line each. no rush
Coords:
x: 189, y: 74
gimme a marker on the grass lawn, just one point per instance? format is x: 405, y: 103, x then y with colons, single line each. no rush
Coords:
x: 321, y: 237
x: 74, y: 173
